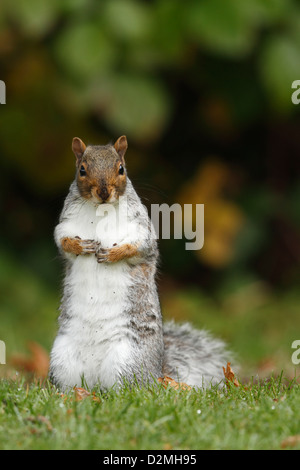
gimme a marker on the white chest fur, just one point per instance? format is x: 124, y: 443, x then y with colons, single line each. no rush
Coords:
x: 93, y: 342
x: 107, y: 223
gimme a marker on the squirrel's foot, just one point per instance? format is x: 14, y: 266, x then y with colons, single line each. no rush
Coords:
x: 102, y: 255
x: 116, y: 253
x: 88, y: 247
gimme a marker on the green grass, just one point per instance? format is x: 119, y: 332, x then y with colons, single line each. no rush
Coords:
x: 259, y: 417
x: 258, y: 323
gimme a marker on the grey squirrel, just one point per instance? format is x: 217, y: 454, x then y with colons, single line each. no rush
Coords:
x: 110, y: 323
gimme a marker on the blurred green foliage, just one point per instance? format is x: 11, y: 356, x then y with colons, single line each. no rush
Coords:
x: 202, y: 89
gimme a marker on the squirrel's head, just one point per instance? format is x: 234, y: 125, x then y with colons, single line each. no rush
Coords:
x: 101, y: 172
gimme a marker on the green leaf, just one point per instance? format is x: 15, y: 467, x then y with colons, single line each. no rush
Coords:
x: 127, y: 19
x: 279, y: 67
x: 166, y: 43
x: 35, y: 17
x: 136, y: 105
x: 84, y: 50
x: 222, y: 27
x: 266, y: 12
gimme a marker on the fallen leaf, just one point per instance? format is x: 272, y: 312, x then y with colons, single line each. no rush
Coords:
x: 291, y: 441
x: 167, y: 446
x: 46, y: 421
x: 82, y: 393
x: 165, y: 381
x: 229, y: 375
x: 39, y: 419
x: 33, y: 431
x: 37, y: 362
x: 133, y: 442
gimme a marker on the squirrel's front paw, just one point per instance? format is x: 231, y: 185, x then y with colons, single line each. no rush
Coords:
x: 102, y: 255
x: 77, y: 246
x: 89, y: 247
x: 116, y: 253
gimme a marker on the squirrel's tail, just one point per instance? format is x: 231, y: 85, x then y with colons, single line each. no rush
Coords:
x: 193, y: 356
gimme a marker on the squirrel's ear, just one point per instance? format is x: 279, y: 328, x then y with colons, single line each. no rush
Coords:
x: 121, y: 146
x: 78, y: 148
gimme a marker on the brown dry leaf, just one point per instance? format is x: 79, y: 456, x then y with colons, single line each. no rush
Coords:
x: 39, y: 419
x: 96, y: 399
x: 82, y: 393
x: 37, y: 362
x: 45, y: 421
x: 167, y: 446
x: 33, y: 431
x: 291, y: 441
x: 165, y: 381
x: 229, y: 375
x: 65, y: 397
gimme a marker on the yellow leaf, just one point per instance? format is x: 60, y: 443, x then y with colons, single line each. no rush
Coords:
x: 167, y: 381
x: 291, y: 441
x: 229, y: 375
x: 82, y: 393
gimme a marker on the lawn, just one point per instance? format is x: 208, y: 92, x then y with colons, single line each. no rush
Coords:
x: 264, y: 413
x: 259, y: 416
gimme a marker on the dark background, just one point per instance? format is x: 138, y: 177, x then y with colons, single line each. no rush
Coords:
x: 202, y: 90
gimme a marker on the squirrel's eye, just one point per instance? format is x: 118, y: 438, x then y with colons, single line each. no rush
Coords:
x: 121, y: 170
x: 82, y: 171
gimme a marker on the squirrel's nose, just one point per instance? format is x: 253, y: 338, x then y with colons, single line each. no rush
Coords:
x: 103, y: 193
